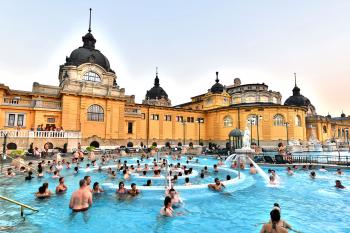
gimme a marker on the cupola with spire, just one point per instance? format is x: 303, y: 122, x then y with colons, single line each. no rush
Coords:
x: 87, y: 53
x: 217, y: 88
x: 299, y: 100
x: 156, y: 95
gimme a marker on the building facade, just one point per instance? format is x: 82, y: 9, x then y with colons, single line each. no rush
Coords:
x: 89, y: 107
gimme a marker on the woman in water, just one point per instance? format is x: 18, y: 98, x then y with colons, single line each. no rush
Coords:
x: 167, y: 210
x: 121, y: 190
x: 274, y: 226
x: 96, y: 188
x: 43, y: 191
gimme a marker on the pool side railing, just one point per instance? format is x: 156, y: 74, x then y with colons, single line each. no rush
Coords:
x: 20, y: 204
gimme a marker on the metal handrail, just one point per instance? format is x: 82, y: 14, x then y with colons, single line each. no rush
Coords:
x: 25, y: 165
x: 20, y: 204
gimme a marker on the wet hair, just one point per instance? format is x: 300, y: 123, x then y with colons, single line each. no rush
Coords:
x: 149, y: 182
x: 144, y: 173
x: 187, y: 179
x: 86, y: 177
x: 228, y: 177
x: 167, y: 200
x: 40, y: 169
x: 124, y: 172
x: 55, y: 172
x: 41, y: 190
x: 216, y: 179
x: 251, y: 165
x: 276, y: 205
x: 121, y: 183
x: 275, y: 217
x: 313, y: 173
x: 202, y: 175
x: 30, y: 173
x: 60, y: 179
x: 132, y: 185
x: 171, y: 190
x: 45, y: 185
x: 82, y: 182
x: 95, y: 185
x: 76, y: 168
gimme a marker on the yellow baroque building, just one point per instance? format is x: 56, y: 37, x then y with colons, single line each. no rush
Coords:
x: 89, y: 107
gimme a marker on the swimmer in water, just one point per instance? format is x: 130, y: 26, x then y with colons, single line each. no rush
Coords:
x: 44, y: 191
x: 126, y: 175
x: 96, y: 188
x: 216, y: 170
x: 81, y: 199
x: 339, y: 185
x: 121, y: 190
x: 187, y: 182
x: 228, y: 177
x: 252, y: 169
x: 61, y: 187
x: 133, y: 191
x: 148, y: 183
x: 312, y: 175
x: 88, y: 182
x: 167, y: 210
x: 174, y: 196
x: 272, y: 180
x: 339, y: 172
x: 217, y: 186
x: 274, y: 224
x: 290, y: 171
x: 56, y: 175
x: 322, y: 169
x: 10, y: 173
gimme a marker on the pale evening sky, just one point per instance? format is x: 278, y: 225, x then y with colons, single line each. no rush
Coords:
x: 257, y: 41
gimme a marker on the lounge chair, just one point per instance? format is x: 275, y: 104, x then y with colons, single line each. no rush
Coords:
x: 279, y: 159
x: 268, y: 159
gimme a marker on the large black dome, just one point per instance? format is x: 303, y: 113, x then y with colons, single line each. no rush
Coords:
x: 217, y: 88
x: 88, y: 54
x: 297, y: 99
x: 156, y: 92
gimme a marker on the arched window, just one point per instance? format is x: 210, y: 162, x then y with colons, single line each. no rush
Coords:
x: 95, y: 113
x: 91, y: 76
x: 298, y: 121
x: 324, y: 129
x: 278, y: 120
x: 228, y: 121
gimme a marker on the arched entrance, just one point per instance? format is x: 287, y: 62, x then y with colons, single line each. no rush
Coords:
x: 11, y: 146
x: 95, y: 144
x: 130, y: 144
x: 235, y: 138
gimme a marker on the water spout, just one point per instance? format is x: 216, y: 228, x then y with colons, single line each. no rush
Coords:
x: 260, y: 171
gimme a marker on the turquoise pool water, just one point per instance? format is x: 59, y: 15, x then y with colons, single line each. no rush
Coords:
x: 308, y: 205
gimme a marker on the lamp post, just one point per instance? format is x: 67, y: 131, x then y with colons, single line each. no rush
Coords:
x: 184, y: 132
x: 258, y: 118
x: 287, y: 125
x: 199, y: 120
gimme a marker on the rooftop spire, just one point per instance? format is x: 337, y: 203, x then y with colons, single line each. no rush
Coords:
x: 156, y: 80
x: 90, y: 22
x: 217, y: 77
x: 295, y: 79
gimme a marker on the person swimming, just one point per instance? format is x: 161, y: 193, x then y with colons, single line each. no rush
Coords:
x: 96, y: 188
x: 121, y: 189
x: 43, y: 191
x: 61, y: 187
x: 167, y: 210
x: 187, y: 182
x: 228, y: 177
x: 10, y: 173
x: 322, y: 169
x: 174, y: 196
x: 217, y: 186
x: 133, y: 191
x: 56, y: 175
x: 148, y: 183
x: 274, y: 225
x: 252, y: 169
x: 290, y: 171
x: 339, y: 185
x: 29, y: 177
x: 81, y: 199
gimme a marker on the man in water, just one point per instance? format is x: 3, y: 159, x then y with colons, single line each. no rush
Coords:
x: 174, y: 196
x: 217, y: 186
x: 61, y: 188
x: 339, y: 185
x: 29, y: 177
x: 81, y: 199
x: 252, y: 169
x: 88, y: 182
x: 133, y: 191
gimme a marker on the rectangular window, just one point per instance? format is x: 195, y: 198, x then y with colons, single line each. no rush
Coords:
x: 190, y: 119
x: 167, y: 117
x: 155, y: 117
x: 179, y: 118
x: 11, y: 121
x: 50, y: 120
x: 20, y: 120
x: 143, y: 116
x: 130, y: 125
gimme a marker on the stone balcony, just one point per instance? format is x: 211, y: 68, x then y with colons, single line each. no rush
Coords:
x: 133, y: 111
x: 40, y: 134
x: 30, y: 103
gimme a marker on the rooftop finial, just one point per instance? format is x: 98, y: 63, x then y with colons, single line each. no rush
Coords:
x: 295, y: 79
x: 157, y: 71
x: 90, y: 22
x: 156, y: 80
x: 217, y: 77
